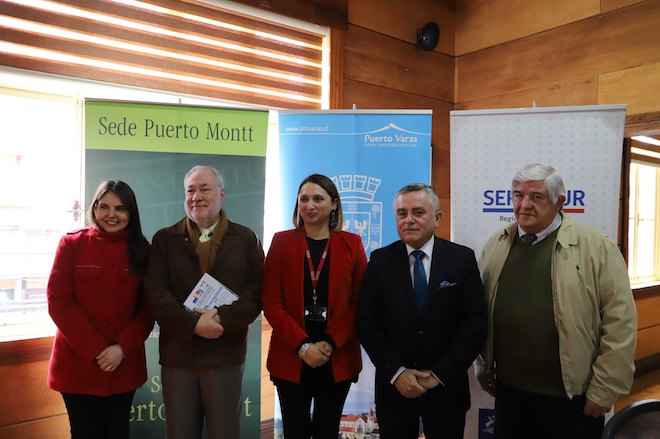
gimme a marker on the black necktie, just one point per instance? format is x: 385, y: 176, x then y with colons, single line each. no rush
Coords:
x: 528, y: 238
x: 419, y: 279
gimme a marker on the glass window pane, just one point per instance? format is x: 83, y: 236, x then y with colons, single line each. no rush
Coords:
x: 647, y: 195
x: 631, y: 249
x: 645, y: 249
x: 632, y: 195
x: 40, y: 173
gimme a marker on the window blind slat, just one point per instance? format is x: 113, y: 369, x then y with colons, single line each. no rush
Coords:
x: 137, y: 37
x: 218, y: 13
x: 102, y: 53
x: 180, y: 24
x: 183, y: 48
x: 106, y: 75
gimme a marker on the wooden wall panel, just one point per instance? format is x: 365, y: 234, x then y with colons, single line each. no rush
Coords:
x: 584, y: 92
x: 610, y: 5
x: 637, y: 87
x: 331, y: 13
x: 366, y: 96
x: 54, y: 427
x: 481, y: 24
x: 440, y: 174
x: 337, y: 41
x: 401, y: 18
x: 30, y: 398
x: 648, y: 312
x: 622, y: 39
x: 648, y: 342
x: 388, y: 62
x: 444, y: 228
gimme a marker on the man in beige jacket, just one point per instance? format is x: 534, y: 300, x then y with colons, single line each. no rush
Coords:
x: 562, y: 322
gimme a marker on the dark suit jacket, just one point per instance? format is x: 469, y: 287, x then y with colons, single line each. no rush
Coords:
x: 445, y: 338
x: 284, y: 302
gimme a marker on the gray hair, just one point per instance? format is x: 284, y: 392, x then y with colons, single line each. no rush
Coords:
x: 538, y: 172
x: 214, y: 171
x: 416, y: 187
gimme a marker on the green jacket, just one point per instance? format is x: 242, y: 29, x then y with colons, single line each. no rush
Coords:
x: 594, y: 311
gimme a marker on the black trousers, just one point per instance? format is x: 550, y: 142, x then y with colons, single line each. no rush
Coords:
x: 520, y: 414
x: 99, y: 417
x: 296, y: 400
x: 441, y: 411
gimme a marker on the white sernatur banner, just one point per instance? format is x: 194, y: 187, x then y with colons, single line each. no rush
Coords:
x: 487, y: 146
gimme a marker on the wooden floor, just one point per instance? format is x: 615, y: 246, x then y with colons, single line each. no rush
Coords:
x: 646, y: 386
x: 267, y: 388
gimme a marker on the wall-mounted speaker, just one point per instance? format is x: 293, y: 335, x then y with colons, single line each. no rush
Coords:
x: 427, y: 36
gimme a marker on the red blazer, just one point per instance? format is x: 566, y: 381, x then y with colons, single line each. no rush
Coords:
x: 283, y: 302
x: 95, y: 302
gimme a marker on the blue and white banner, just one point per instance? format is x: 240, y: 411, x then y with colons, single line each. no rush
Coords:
x: 369, y: 155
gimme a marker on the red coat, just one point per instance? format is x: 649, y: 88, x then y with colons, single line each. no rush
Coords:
x: 95, y: 302
x: 284, y: 301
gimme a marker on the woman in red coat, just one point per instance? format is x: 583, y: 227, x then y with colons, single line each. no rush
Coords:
x: 95, y: 299
x: 312, y: 277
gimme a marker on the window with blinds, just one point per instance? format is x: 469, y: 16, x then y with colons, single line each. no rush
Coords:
x: 187, y: 46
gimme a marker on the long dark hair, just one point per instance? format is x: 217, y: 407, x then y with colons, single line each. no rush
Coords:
x: 138, y: 246
x: 336, y: 220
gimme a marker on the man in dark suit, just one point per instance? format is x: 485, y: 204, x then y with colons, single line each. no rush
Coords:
x: 422, y: 322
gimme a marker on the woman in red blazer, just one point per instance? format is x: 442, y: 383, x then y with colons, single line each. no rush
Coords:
x: 312, y: 277
x: 95, y: 299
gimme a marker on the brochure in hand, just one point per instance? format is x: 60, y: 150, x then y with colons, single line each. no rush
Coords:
x: 209, y: 293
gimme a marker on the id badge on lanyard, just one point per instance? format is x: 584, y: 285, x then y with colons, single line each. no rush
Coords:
x: 316, y: 312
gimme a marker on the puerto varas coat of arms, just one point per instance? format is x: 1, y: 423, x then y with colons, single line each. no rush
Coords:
x: 362, y: 215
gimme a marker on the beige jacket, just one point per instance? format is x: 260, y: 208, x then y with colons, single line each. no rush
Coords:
x: 593, y: 306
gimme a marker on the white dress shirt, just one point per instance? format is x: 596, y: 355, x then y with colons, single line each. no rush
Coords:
x: 554, y: 225
x: 427, y: 248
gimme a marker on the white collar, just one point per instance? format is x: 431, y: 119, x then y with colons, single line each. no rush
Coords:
x: 540, y: 236
x: 427, y: 248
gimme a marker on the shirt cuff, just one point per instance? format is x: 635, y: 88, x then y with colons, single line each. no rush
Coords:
x: 396, y: 375
x: 442, y: 383
x: 303, y: 349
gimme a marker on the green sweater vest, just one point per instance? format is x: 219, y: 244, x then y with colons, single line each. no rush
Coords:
x: 526, y: 340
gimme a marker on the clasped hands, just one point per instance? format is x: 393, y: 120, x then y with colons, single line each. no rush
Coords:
x: 110, y: 358
x: 413, y: 383
x: 208, y: 325
x: 317, y: 354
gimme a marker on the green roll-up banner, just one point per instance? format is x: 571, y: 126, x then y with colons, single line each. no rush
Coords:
x: 151, y: 147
